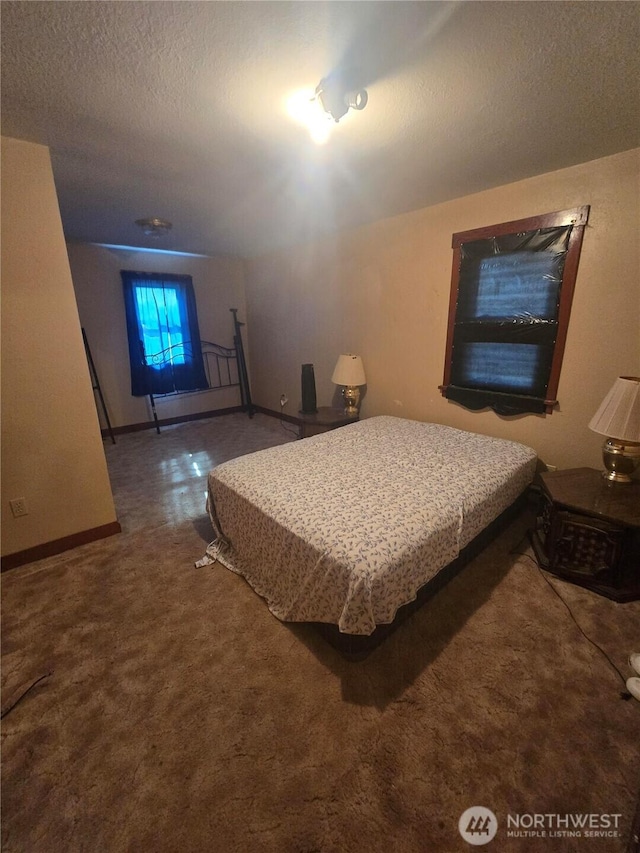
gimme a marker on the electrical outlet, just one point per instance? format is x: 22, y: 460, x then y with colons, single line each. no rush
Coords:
x: 283, y: 401
x: 19, y: 507
x: 551, y: 467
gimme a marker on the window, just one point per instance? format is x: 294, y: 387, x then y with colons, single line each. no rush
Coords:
x: 164, y: 338
x: 511, y: 291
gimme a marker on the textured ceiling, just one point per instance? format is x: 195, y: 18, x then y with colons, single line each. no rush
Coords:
x: 177, y: 109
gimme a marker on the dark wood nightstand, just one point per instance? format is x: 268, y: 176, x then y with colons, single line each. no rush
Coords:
x: 325, y: 419
x: 588, y: 531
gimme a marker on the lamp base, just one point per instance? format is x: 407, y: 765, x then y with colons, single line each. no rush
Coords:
x: 351, y: 397
x: 620, y: 460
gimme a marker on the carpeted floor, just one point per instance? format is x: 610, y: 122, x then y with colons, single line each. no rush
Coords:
x: 180, y: 715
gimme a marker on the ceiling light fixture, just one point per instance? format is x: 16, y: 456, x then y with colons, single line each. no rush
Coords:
x: 336, y: 100
x: 305, y: 108
x: 154, y: 227
x: 321, y: 109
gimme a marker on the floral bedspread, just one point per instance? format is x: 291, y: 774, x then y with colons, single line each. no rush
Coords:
x: 345, y: 527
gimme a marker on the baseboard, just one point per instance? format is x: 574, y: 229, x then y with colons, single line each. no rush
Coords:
x: 214, y: 413
x: 279, y: 415
x: 57, y: 546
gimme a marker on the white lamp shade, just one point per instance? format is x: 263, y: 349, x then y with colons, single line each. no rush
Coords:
x: 619, y: 415
x: 349, y: 371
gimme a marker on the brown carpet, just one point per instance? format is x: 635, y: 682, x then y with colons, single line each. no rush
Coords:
x: 182, y: 716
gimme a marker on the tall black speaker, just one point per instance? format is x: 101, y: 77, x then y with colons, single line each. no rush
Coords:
x: 308, y: 391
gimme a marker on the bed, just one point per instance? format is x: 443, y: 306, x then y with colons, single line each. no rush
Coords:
x: 345, y: 528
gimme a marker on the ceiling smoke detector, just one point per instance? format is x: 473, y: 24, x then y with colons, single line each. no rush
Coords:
x: 154, y: 227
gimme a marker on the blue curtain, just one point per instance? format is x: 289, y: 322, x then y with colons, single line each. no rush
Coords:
x: 164, y: 338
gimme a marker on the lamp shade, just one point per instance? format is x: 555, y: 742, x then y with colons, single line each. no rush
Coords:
x: 619, y: 415
x: 349, y: 371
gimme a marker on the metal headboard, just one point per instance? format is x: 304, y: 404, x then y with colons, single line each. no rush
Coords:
x: 220, y: 364
x: 225, y: 367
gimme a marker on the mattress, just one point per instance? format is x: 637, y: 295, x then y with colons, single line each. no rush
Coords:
x: 345, y: 527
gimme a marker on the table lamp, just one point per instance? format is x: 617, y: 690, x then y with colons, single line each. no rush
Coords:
x: 619, y: 419
x: 349, y: 372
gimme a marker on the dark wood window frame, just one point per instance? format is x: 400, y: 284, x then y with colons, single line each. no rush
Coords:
x: 536, y: 228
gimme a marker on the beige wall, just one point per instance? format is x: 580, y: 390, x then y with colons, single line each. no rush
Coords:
x: 383, y: 291
x: 52, y: 452
x: 219, y: 286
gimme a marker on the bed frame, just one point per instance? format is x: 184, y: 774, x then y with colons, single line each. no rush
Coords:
x: 220, y: 365
x: 224, y: 367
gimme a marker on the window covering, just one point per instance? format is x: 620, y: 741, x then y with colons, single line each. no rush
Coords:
x: 164, y: 338
x: 509, y: 310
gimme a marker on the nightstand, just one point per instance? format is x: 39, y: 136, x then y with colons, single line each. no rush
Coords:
x: 325, y: 419
x: 588, y: 531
